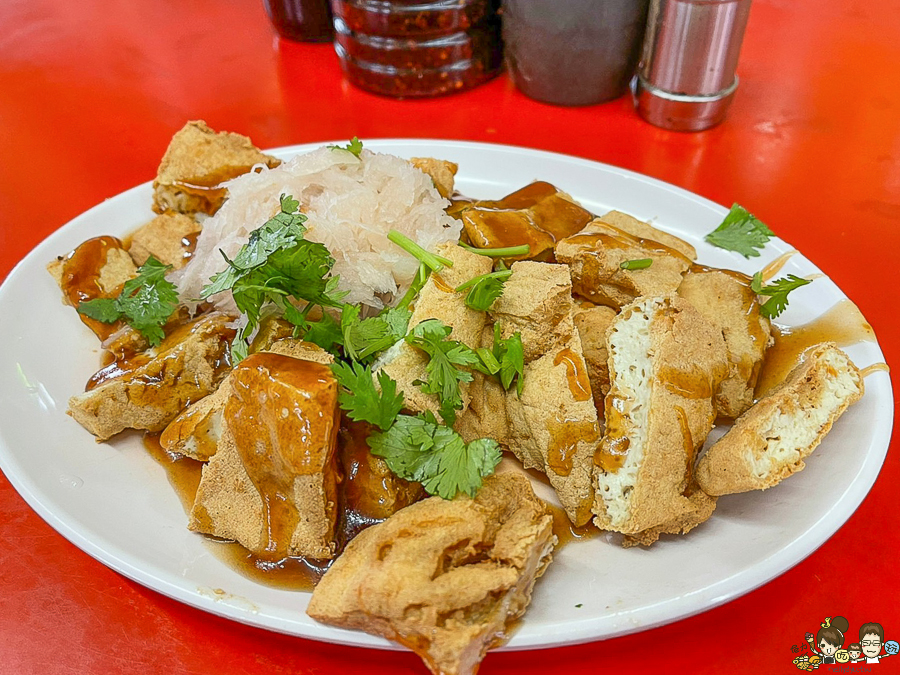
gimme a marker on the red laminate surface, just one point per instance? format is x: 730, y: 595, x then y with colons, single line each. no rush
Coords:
x: 91, y: 92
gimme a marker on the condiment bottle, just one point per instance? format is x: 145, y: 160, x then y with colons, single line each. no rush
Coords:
x: 577, y: 52
x: 686, y: 79
x: 301, y: 20
x: 416, y: 48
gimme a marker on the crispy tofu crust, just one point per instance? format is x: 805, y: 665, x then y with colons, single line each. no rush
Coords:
x: 187, y: 366
x: 536, y: 302
x: 596, y: 253
x: 169, y: 238
x: 444, y: 578
x: 769, y: 442
x: 195, y: 164
x: 440, y: 171
x: 699, y: 509
x: 274, y: 492
x: 437, y: 300
x: 725, y: 299
x: 485, y: 416
x: 196, y: 431
x: 642, y: 230
x: 665, y: 364
x: 592, y: 324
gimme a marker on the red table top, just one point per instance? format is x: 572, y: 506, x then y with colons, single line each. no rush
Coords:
x: 90, y: 94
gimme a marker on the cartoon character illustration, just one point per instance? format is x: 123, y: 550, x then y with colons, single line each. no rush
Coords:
x: 806, y: 662
x: 854, y: 651
x: 830, y: 638
x: 871, y: 638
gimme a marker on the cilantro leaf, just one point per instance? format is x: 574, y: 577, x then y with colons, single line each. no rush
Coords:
x: 484, y: 289
x: 145, y: 303
x: 511, y: 355
x: 741, y: 231
x: 354, y: 147
x: 360, y: 398
x: 444, y: 369
x: 777, y: 292
x: 326, y: 332
x: 418, y: 449
x: 363, y: 338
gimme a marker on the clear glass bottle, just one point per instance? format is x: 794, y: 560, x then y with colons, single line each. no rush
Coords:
x: 416, y: 48
x: 301, y: 20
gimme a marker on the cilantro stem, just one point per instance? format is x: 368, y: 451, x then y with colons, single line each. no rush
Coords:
x: 416, y: 286
x: 435, y: 262
x: 503, y: 275
x: 639, y: 264
x: 507, y: 252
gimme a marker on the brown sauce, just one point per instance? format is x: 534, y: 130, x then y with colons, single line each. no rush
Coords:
x: 80, y: 280
x: 211, y: 186
x: 843, y: 324
x: 442, y: 285
x: 189, y: 244
x: 565, y: 435
x: 297, y: 411
x: 613, y: 449
x: 576, y: 374
x: 693, y: 385
x: 565, y: 531
x: 618, y: 238
x: 774, y: 267
x: 875, y: 367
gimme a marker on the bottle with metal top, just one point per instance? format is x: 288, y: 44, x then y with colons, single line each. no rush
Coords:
x: 686, y: 77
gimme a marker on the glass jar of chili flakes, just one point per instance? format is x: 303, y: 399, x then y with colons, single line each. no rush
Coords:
x: 417, y: 48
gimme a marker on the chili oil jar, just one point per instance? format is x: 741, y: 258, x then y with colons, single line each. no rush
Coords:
x: 417, y: 48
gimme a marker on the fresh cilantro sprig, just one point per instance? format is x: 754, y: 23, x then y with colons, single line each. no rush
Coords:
x: 433, y: 261
x: 363, y: 338
x: 278, y: 266
x: 361, y: 400
x: 145, y: 303
x: 419, y: 449
x: 777, y: 292
x: 741, y: 231
x: 354, y: 147
x: 511, y: 355
x: 484, y: 289
x: 446, y: 363
x: 639, y: 264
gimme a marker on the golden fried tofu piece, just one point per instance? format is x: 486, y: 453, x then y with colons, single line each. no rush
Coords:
x: 98, y: 268
x: 538, y: 215
x: 595, y: 256
x: 700, y: 507
x: 438, y: 300
x: 272, y: 483
x: 440, y: 171
x: 592, y: 324
x: 196, y: 164
x: 170, y: 238
x: 148, y: 391
x: 485, y: 417
x: 553, y: 426
x: 665, y: 363
x: 196, y: 431
x: 536, y: 302
x: 641, y: 230
x: 444, y: 578
x: 769, y: 442
x: 725, y: 299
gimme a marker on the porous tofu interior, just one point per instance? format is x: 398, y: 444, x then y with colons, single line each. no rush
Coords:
x: 791, y: 431
x: 632, y: 382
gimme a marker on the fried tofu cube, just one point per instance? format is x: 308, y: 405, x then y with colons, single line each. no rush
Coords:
x: 595, y: 256
x: 169, y: 238
x: 536, y: 302
x: 440, y: 171
x: 665, y: 364
x: 98, y: 268
x: 148, y: 391
x: 438, y: 300
x: 641, y: 230
x: 725, y: 299
x: 196, y: 431
x: 196, y: 164
x: 700, y: 507
x: 592, y: 324
x: 769, y: 442
x: 485, y: 416
x: 444, y: 578
x: 272, y: 483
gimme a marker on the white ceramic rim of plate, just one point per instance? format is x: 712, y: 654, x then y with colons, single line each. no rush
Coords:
x: 527, y: 637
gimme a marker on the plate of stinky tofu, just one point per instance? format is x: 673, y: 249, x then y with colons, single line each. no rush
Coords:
x: 656, y: 439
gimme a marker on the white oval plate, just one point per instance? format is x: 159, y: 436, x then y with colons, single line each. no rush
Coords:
x: 115, y: 503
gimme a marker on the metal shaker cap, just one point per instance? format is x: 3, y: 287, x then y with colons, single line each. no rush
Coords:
x: 686, y: 78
